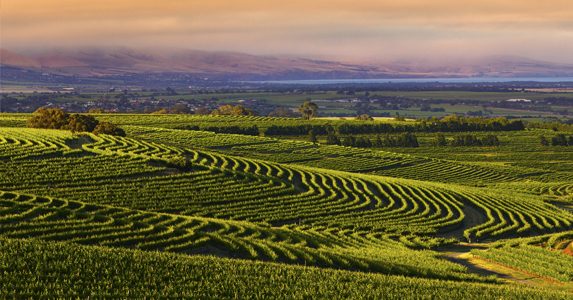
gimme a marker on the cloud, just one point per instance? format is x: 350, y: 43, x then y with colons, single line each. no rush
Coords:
x: 346, y: 28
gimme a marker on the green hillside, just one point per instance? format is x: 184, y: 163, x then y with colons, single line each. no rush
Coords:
x: 215, y: 215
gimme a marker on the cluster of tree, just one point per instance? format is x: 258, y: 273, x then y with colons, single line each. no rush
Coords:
x: 364, y: 117
x: 401, y: 140
x: 246, y: 130
x: 179, y: 108
x: 447, y: 124
x: 55, y: 118
x: 454, y: 123
x: 427, y: 107
x: 282, y: 112
x: 558, y: 140
x: 233, y: 110
x: 297, y: 129
x: 467, y: 140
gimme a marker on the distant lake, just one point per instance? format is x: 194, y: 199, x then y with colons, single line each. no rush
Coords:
x: 421, y: 80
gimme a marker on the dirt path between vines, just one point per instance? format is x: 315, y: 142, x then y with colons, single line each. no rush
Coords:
x: 473, y: 217
x: 461, y: 254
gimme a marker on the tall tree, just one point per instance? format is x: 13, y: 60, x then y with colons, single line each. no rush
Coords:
x: 308, y: 110
x: 51, y: 118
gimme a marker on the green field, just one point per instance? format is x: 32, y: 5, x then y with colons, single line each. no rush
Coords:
x: 84, y: 215
x: 331, y: 102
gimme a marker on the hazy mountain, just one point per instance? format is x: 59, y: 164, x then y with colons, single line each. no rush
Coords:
x: 489, y: 66
x: 106, y: 62
x: 98, y: 62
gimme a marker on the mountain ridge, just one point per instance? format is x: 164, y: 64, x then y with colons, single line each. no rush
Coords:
x: 96, y: 62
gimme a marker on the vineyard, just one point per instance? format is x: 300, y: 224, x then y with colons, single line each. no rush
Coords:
x: 196, y: 206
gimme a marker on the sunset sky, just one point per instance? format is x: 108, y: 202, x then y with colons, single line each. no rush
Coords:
x: 345, y: 29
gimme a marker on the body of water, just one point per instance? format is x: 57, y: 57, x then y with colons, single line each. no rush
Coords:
x: 421, y: 80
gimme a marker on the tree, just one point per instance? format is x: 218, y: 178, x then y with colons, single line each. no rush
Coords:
x: 282, y: 112
x: 559, y: 140
x: 378, y: 142
x: 363, y: 142
x: 108, y: 128
x: 349, y: 141
x: 490, y: 140
x: 364, y: 117
x: 202, y: 111
x: 81, y: 123
x: 161, y: 111
x: 441, y: 140
x: 332, y: 139
x: 312, y: 136
x: 170, y: 91
x: 409, y: 140
x: 55, y: 118
x: 95, y: 111
x: 233, y: 110
x: 180, y: 108
x: 308, y: 110
x: 543, y: 140
x: 399, y: 118
x: 51, y: 118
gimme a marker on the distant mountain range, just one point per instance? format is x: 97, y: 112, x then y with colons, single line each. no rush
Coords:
x: 240, y: 66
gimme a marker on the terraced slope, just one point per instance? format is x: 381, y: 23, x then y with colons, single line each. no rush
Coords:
x: 506, y: 213
x: 20, y: 143
x: 329, y: 156
x: 168, y: 191
x: 28, y: 216
x: 294, y: 195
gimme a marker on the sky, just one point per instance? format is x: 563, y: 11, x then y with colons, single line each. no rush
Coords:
x: 353, y: 30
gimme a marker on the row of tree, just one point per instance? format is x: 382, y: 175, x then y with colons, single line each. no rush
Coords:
x: 401, y: 140
x: 467, y: 140
x: 558, y: 140
x: 448, y: 124
x: 55, y: 118
x: 246, y: 130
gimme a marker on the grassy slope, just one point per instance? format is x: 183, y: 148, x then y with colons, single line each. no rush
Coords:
x: 309, y: 281
x: 31, y: 268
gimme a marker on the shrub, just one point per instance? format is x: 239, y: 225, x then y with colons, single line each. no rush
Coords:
x: 108, y: 128
x: 81, y: 123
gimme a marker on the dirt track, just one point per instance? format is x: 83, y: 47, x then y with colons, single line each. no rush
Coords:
x: 460, y: 254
